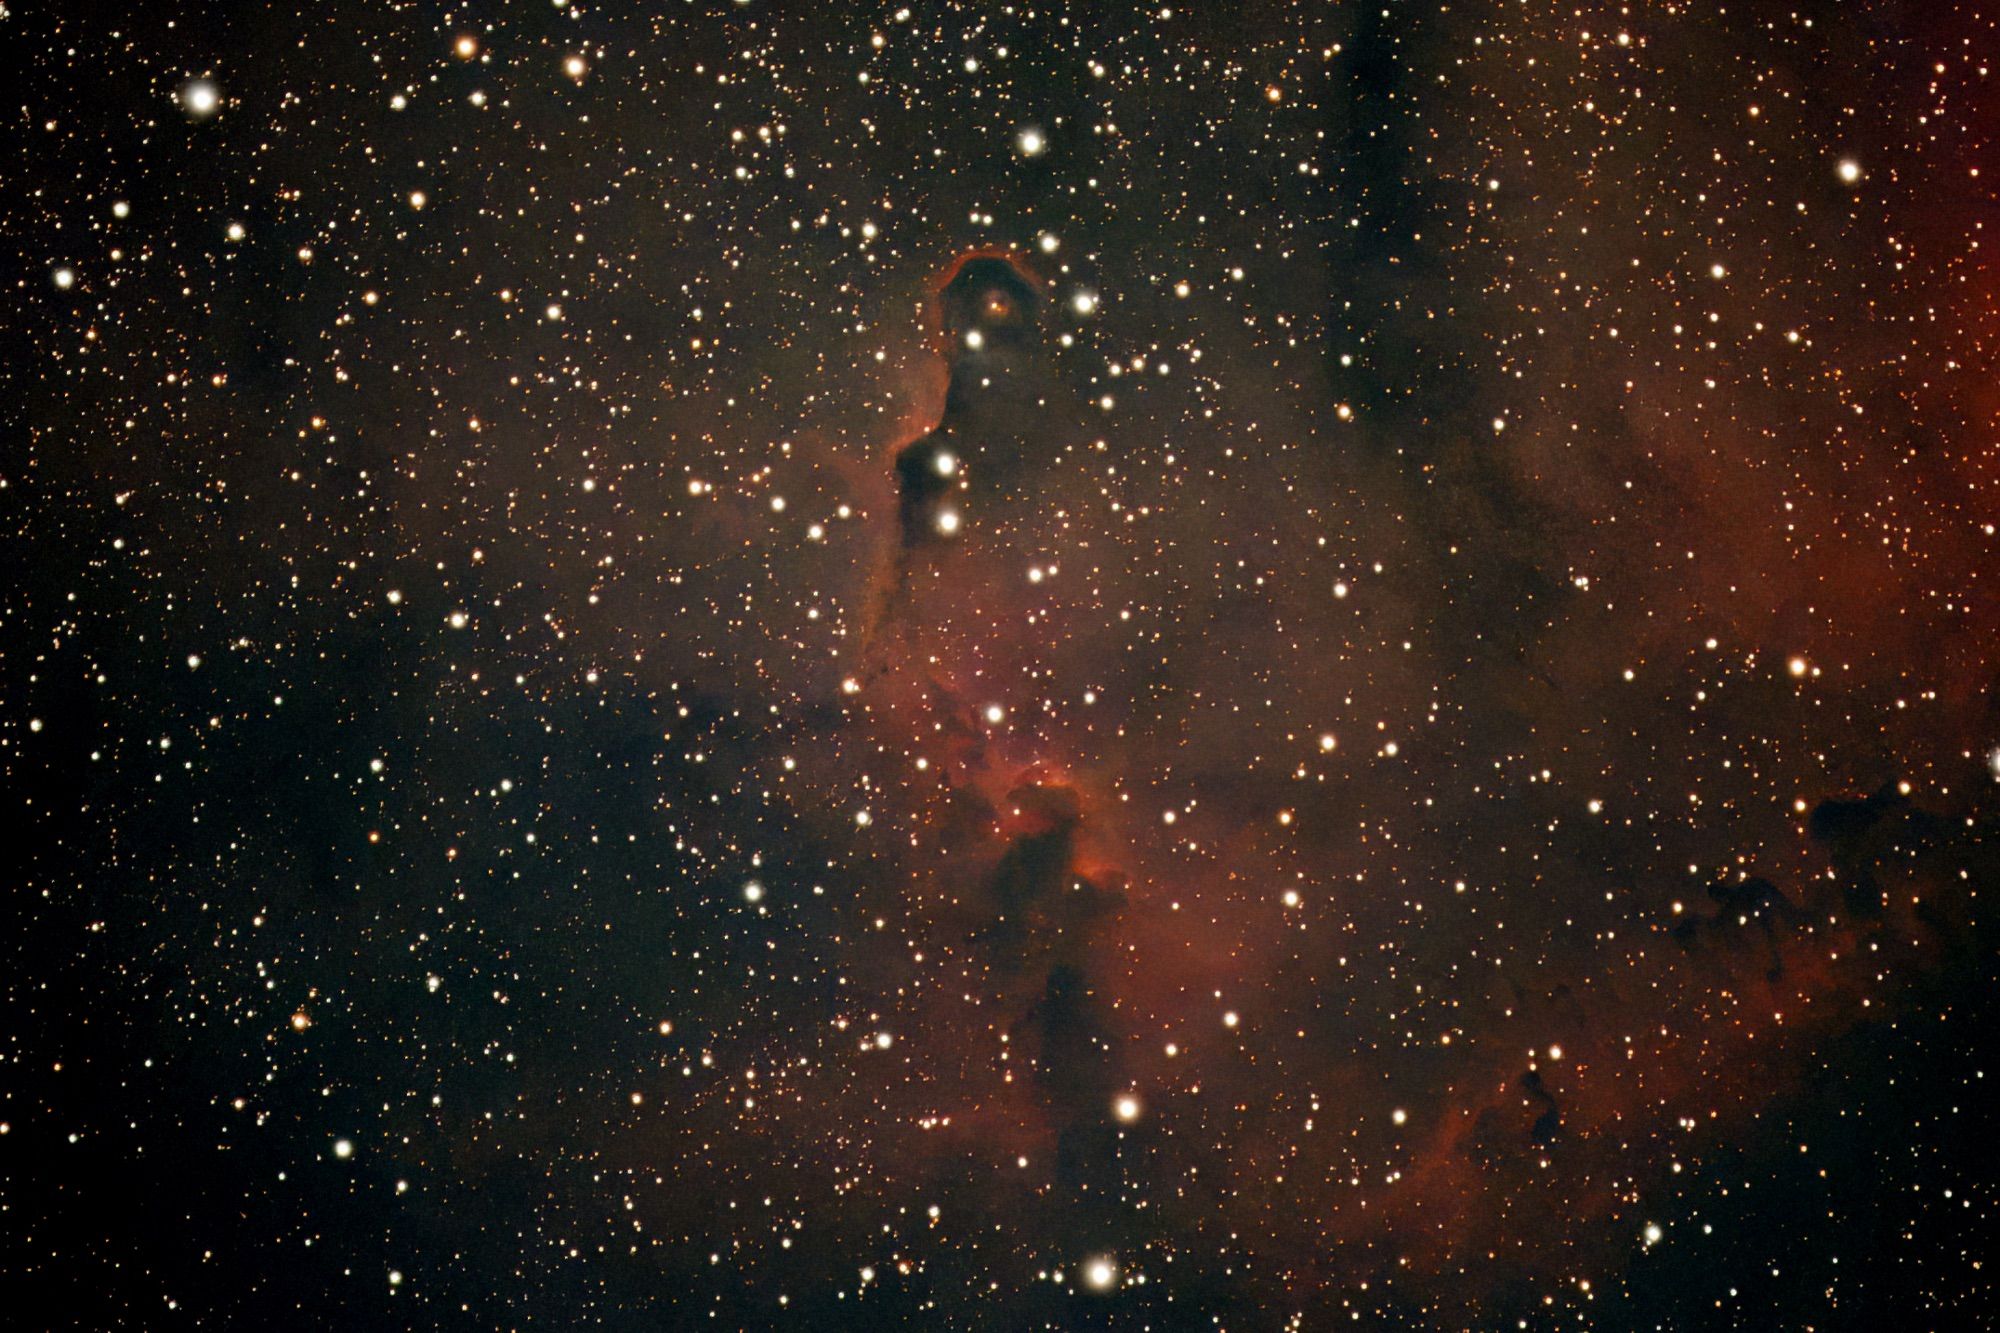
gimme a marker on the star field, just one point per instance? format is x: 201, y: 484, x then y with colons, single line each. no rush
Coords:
x: 1000, y: 666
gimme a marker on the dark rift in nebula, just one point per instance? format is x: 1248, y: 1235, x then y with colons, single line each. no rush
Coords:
x: 1859, y: 834
x: 1035, y: 901
x: 978, y: 457
x: 1042, y: 906
x: 1741, y: 904
x: 981, y: 453
x: 988, y: 312
x: 1039, y: 895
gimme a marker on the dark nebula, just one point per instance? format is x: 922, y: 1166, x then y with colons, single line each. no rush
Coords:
x: 1240, y: 667
x: 988, y: 311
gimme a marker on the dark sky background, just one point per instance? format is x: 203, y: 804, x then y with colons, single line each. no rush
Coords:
x: 748, y: 665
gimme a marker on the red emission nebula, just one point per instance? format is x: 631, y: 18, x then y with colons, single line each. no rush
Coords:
x: 1247, y: 667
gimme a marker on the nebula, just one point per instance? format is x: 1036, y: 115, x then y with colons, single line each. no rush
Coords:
x: 1253, y: 667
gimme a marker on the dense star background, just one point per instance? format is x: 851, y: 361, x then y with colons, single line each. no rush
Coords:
x: 1016, y: 666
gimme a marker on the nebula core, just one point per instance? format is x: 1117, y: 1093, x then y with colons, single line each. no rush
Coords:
x: 1261, y: 666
